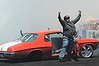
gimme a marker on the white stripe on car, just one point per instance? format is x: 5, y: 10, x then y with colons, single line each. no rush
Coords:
x: 5, y: 47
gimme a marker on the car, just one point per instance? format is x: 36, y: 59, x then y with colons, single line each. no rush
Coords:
x: 44, y: 45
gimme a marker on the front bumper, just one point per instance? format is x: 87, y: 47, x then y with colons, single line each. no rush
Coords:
x: 7, y: 54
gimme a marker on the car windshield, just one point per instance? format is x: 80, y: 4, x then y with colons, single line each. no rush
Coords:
x: 28, y: 37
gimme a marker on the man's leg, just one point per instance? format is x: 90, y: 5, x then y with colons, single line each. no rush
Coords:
x: 70, y: 49
x: 62, y: 53
x: 63, y: 49
x: 74, y: 54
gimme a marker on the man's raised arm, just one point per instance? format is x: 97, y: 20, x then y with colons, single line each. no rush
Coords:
x: 78, y: 17
x: 60, y: 19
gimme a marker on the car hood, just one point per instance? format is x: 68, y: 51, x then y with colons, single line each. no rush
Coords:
x: 4, y: 47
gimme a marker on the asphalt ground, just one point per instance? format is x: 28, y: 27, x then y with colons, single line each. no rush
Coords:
x: 94, y: 61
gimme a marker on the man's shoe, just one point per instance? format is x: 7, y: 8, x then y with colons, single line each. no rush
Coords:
x: 62, y: 60
x: 75, y: 60
x: 69, y: 60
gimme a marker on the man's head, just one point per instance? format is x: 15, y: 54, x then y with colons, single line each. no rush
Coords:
x: 66, y: 18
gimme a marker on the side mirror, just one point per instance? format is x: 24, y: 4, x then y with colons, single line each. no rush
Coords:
x: 21, y: 32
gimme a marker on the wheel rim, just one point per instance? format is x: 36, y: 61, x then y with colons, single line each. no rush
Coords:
x: 86, y: 51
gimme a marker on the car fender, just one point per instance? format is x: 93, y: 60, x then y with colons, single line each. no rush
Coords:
x: 35, y: 50
x: 88, y: 44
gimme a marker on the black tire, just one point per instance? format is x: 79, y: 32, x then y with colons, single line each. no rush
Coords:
x: 86, y: 51
x: 37, y: 55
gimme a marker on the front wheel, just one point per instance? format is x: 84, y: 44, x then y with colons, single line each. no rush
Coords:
x: 37, y: 55
x: 86, y: 51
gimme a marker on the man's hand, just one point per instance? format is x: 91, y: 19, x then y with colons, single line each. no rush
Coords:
x: 79, y: 11
x: 59, y: 12
x: 59, y: 16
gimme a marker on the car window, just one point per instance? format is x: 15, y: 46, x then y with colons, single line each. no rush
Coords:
x: 56, y: 35
x: 28, y: 37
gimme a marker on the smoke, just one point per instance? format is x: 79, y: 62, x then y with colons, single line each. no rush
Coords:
x: 35, y: 15
x: 26, y: 15
x: 96, y: 52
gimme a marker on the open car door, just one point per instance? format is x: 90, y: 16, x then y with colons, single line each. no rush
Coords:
x: 56, y: 40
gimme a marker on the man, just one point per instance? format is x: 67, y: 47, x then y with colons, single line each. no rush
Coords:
x: 69, y: 31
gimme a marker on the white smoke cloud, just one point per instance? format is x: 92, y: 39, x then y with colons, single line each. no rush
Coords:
x: 35, y: 15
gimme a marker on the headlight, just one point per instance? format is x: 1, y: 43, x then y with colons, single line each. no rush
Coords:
x: 7, y: 54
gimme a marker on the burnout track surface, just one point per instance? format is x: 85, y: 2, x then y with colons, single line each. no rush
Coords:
x: 94, y: 61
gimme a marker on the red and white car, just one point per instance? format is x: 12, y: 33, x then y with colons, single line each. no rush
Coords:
x: 44, y: 45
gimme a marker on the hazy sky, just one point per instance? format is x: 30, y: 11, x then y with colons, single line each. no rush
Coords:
x: 35, y: 15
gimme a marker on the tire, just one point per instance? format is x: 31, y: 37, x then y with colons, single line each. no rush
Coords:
x: 35, y: 55
x: 86, y: 51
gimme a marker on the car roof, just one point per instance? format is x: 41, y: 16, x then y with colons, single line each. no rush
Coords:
x: 45, y: 31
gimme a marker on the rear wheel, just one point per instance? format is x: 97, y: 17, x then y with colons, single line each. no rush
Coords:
x: 86, y: 51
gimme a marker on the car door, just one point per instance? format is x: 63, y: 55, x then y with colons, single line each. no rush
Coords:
x: 56, y: 40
